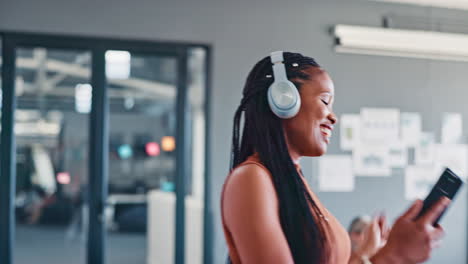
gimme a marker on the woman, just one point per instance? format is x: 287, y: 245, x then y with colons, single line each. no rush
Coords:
x: 269, y: 213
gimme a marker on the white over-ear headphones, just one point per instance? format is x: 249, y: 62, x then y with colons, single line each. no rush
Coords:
x: 283, y: 96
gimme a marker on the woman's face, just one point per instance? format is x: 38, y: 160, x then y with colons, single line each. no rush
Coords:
x: 309, y: 132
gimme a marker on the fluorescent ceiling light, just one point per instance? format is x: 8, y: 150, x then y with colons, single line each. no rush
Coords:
x: 401, y: 43
x: 451, y: 4
x: 83, y: 97
x: 118, y: 64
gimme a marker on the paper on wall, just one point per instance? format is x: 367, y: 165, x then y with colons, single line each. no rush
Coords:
x: 424, y: 153
x: 452, y: 128
x: 380, y: 125
x: 371, y: 161
x: 410, y: 128
x: 419, y: 180
x: 336, y: 173
x: 453, y: 156
x: 350, y: 125
x: 398, y: 155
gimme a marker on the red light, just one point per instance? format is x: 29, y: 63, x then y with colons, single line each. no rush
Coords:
x: 63, y: 178
x: 152, y: 149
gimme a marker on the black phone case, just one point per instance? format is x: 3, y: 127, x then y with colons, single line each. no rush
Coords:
x: 447, y: 185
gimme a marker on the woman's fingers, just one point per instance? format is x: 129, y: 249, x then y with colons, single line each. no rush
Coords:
x: 435, y: 211
x: 413, y: 211
x: 382, y: 221
x: 372, y: 229
x: 383, y: 226
x: 437, y: 233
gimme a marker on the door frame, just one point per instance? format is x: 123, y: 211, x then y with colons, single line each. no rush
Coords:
x: 99, y: 133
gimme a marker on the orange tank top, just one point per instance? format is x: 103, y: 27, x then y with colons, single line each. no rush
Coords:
x: 338, y: 238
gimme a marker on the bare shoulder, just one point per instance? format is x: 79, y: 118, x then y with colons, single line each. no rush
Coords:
x: 249, y: 175
x: 248, y: 193
x: 251, y: 214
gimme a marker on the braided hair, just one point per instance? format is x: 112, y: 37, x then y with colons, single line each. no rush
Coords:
x: 263, y: 133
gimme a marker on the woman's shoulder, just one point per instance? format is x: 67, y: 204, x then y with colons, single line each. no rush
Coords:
x: 249, y: 173
x: 249, y: 189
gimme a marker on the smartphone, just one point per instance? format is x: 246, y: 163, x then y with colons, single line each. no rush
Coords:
x: 447, y: 185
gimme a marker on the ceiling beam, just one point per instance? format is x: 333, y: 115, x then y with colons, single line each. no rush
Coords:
x: 161, y: 90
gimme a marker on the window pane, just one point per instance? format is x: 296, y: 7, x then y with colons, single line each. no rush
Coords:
x: 141, y: 198
x: 51, y: 126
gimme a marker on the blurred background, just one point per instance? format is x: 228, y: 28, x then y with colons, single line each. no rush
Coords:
x: 174, y: 72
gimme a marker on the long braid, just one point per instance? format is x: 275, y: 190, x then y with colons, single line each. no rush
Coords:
x: 247, y: 95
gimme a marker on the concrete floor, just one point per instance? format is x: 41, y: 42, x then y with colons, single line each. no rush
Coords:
x: 47, y: 245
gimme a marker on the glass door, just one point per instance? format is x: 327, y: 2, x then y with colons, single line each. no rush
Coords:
x: 109, y: 143
x: 143, y: 139
x: 140, y: 211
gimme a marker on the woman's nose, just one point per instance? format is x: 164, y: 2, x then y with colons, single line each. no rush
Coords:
x: 332, y: 117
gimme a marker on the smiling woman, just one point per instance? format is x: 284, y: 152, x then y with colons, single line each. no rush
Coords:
x: 269, y: 213
x: 275, y: 146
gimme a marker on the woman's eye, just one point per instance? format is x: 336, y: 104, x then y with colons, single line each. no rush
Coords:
x: 325, y: 102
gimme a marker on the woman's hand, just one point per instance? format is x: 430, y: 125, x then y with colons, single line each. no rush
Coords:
x: 375, y: 237
x: 411, y: 240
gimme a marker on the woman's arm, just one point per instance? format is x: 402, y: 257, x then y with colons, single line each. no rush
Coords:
x: 412, y: 238
x: 250, y: 211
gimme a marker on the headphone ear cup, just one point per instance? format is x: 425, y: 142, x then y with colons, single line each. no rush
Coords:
x: 284, y: 99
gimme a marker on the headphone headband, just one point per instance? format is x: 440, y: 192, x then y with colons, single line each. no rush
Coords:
x: 279, y: 70
x: 276, y: 56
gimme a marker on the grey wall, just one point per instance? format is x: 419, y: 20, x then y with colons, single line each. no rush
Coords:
x: 243, y: 31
